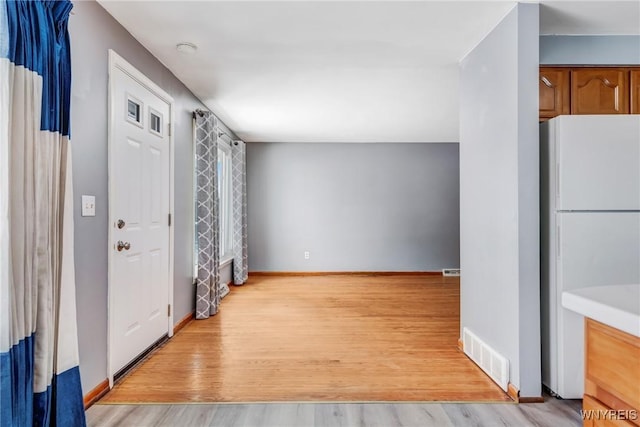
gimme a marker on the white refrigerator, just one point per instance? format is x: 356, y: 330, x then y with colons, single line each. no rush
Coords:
x: 590, y: 228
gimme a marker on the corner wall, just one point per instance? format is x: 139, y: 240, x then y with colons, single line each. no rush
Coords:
x: 499, y: 207
x: 93, y: 31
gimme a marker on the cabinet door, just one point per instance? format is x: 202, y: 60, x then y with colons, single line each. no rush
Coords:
x: 554, y: 92
x: 599, y: 91
x: 612, y: 373
x: 635, y: 91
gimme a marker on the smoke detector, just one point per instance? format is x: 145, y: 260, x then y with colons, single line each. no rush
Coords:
x: 188, y: 48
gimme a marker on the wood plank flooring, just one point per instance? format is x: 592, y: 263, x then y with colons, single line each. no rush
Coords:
x: 321, y: 338
x: 552, y: 413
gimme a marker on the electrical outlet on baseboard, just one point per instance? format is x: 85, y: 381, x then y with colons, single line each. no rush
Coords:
x: 307, y: 255
x: 455, y: 272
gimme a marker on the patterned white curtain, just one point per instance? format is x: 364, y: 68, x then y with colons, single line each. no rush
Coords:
x: 239, y: 183
x: 39, y: 373
x: 207, y: 216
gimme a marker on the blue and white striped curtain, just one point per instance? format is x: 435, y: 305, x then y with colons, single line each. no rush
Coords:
x: 39, y: 374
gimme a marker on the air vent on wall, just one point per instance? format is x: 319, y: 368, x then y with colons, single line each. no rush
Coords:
x: 489, y: 360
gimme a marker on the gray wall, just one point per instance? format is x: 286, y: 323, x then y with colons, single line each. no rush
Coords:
x: 93, y: 31
x: 590, y: 50
x: 499, y: 208
x: 354, y: 207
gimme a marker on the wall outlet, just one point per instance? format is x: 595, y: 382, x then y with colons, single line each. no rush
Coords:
x: 88, y: 205
x: 455, y: 272
x: 307, y: 255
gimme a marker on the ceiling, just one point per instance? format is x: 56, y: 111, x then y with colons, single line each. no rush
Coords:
x: 338, y: 71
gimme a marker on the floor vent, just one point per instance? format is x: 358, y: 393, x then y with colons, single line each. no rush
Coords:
x: 492, y: 363
x: 451, y: 272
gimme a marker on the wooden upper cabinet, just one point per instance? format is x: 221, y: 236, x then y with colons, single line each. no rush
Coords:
x: 635, y: 91
x: 554, y: 92
x: 599, y: 91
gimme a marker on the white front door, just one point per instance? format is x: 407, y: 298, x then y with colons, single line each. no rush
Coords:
x: 139, y: 197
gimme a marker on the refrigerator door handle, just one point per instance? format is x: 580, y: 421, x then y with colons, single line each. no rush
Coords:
x: 559, y: 246
x: 558, y: 185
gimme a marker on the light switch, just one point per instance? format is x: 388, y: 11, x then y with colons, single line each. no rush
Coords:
x: 88, y: 205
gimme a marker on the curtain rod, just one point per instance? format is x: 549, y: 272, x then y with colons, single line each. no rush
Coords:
x: 220, y: 132
x: 231, y: 140
x: 201, y: 114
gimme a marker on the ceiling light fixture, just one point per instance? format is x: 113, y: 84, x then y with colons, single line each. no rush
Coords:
x: 186, y: 47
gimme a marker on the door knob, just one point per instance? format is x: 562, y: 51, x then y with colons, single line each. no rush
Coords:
x: 120, y: 223
x: 123, y: 245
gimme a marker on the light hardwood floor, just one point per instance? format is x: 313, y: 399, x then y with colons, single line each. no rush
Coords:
x: 552, y: 413
x: 364, y: 338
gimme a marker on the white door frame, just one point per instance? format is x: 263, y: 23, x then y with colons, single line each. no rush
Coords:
x: 116, y: 62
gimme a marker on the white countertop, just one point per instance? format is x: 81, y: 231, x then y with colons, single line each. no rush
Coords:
x: 617, y: 306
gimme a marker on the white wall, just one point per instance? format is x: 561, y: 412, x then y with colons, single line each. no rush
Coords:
x: 499, y: 208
